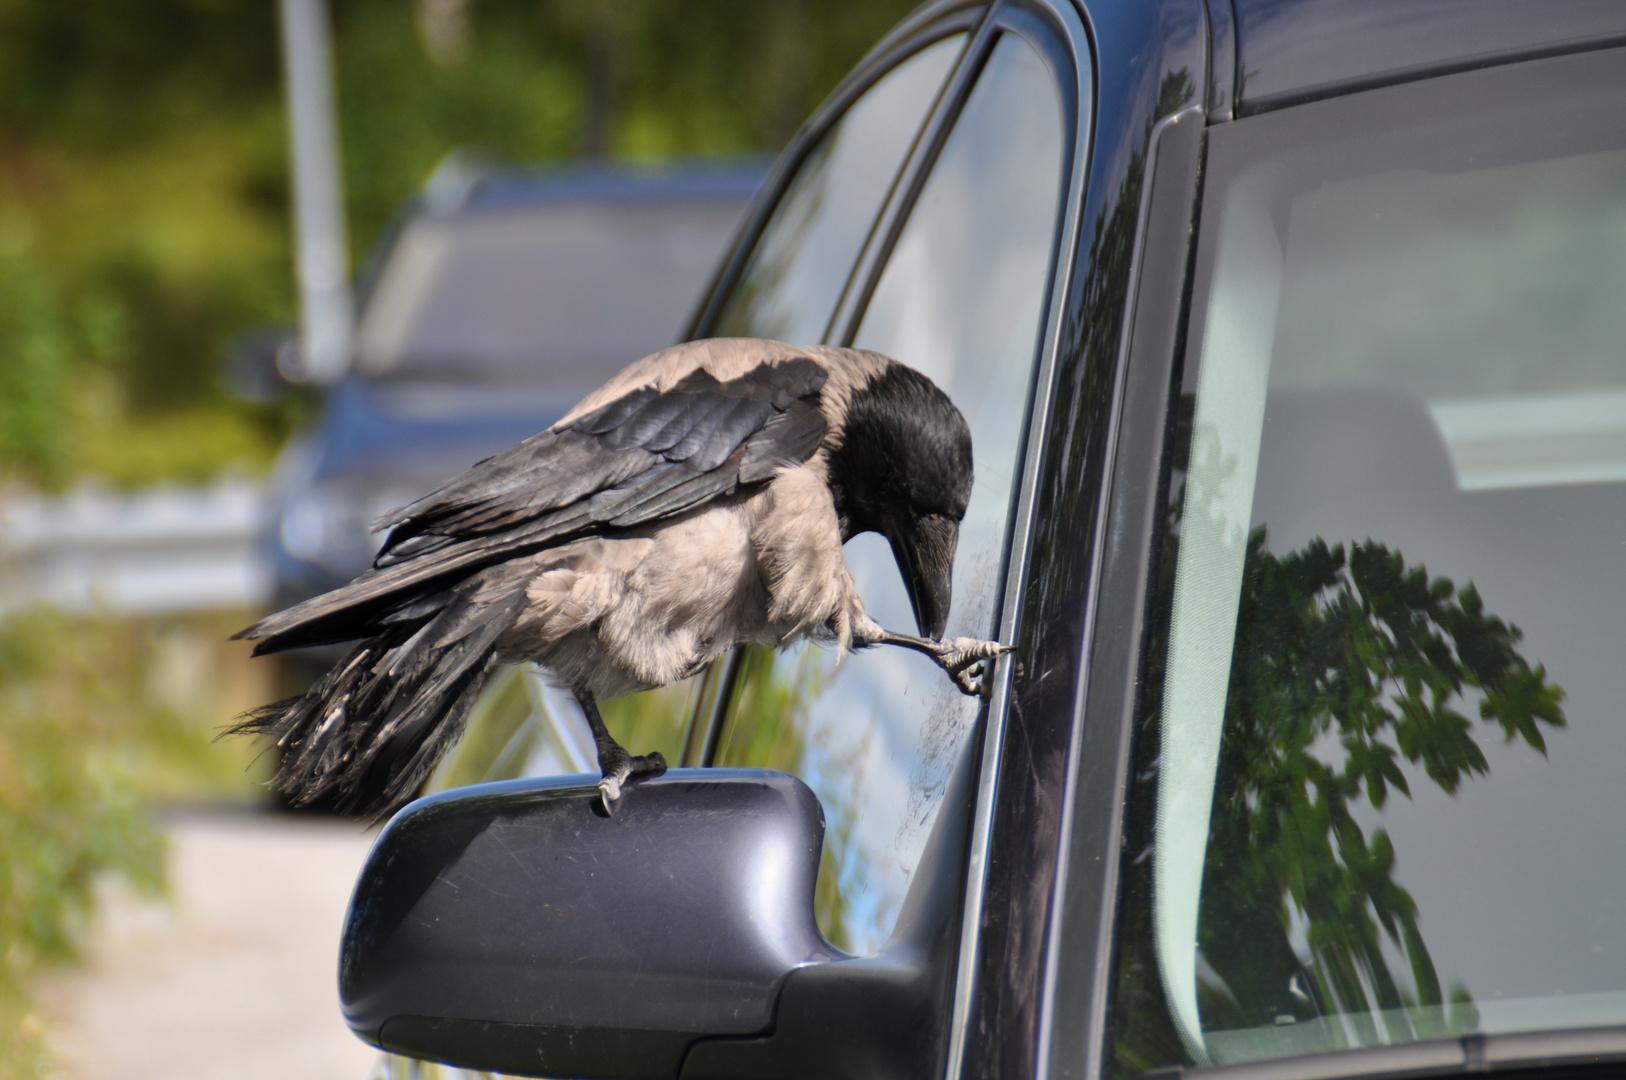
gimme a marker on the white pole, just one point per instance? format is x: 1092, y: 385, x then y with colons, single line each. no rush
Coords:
x: 325, y: 308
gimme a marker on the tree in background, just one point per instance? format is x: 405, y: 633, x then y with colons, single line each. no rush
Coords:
x: 144, y: 200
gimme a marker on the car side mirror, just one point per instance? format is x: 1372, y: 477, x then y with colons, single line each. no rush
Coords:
x: 516, y: 927
x: 512, y: 927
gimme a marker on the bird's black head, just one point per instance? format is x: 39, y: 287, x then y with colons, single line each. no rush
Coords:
x: 904, y: 470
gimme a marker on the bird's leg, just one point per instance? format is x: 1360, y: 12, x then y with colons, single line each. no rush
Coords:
x: 617, y: 768
x: 968, y: 661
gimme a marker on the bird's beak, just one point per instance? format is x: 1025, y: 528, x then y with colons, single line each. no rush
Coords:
x: 924, y: 548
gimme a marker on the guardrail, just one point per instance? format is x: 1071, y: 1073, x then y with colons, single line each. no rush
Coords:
x: 148, y: 552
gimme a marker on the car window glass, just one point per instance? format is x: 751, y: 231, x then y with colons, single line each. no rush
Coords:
x: 788, y: 290
x: 1387, y: 718
x: 523, y: 726
x: 875, y: 734
x: 795, y: 276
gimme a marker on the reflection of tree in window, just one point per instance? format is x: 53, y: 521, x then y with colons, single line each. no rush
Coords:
x: 508, y: 733
x: 1345, y: 661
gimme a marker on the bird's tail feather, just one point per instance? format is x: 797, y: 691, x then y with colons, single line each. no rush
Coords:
x: 367, y: 734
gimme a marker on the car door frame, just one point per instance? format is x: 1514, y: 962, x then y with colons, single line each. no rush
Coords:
x: 1043, y: 979
x: 1061, y: 32
x: 1037, y: 803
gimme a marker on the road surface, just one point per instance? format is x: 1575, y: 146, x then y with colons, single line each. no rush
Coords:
x: 234, y: 977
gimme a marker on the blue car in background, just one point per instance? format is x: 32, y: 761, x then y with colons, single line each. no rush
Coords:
x: 497, y: 300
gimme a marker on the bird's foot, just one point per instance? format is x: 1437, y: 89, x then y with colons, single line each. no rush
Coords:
x: 622, y: 771
x: 969, y: 662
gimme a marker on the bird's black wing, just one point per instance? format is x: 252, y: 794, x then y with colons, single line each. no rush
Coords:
x: 645, y: 456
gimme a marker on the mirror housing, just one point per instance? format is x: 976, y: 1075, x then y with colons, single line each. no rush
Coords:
x: 515, y: 927
x: 509, y: 927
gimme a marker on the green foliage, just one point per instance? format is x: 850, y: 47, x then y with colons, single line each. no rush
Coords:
x: 505, y: 728
x: 550, y: 81
x: 97, y: 718
x: 499, y: 737
x: 32, y: 376
x: 1343, y: 665
x: 144, y: 199
x: 654, y: 719
x: 766, y: 728
x: 137, y: 142
x: 1383, y: 659
x: 68, y: 812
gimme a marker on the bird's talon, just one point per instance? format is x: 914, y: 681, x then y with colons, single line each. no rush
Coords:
x: 626, y: 772
x: 969, y: 662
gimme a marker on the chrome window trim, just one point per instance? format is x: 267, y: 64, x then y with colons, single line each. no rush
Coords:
x: 1075, y: 35
x: 929, y: 23
x: 867, y: 269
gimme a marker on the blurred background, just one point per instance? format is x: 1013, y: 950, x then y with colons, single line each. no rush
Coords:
x: 163, y: 481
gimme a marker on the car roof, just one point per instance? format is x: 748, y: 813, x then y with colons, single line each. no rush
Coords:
x: 463, y: 184
x: 1291, y: 50
x: 487, y: 189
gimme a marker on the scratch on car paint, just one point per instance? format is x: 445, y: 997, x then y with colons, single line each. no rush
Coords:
x: 497, y: 836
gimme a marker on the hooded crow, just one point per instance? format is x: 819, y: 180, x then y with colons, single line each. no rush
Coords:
x: 697, y: 501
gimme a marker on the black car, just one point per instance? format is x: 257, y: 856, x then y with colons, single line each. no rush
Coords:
x: 1292, y: 338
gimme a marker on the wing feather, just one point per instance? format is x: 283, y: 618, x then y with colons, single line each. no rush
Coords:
x: 645, y: 456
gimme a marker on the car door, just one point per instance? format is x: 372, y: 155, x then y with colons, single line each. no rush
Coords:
x: 963, y: 275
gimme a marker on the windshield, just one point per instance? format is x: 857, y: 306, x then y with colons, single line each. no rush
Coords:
x: 1378, y: 793
x: 557, y: 293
